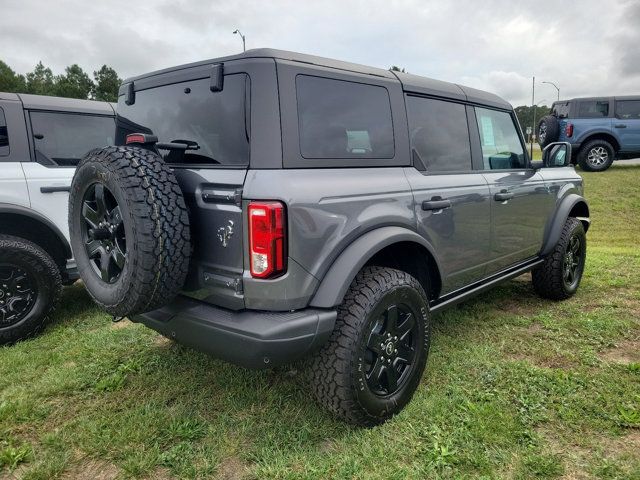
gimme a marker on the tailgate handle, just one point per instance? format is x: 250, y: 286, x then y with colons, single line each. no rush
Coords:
x: 222, y: 196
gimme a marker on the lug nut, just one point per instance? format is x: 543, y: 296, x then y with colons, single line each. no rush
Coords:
x: 395, y: 338
x: 395, y: 351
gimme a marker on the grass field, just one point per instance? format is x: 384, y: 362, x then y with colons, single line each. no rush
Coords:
x: 516, y: 387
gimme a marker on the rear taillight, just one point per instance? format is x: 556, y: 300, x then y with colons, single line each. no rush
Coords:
x: 569, y: 130
x: 267, y: 241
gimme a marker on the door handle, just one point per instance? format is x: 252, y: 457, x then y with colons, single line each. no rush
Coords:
x: 620, y: 125
x: 503, y: 196
x: 55, y: 189
x: 436, y: 203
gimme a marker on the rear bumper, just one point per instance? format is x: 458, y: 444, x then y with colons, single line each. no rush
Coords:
x: 252, y: 339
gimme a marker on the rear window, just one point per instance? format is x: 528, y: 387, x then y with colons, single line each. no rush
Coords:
x: 439, y: 134
x: 215, y: 123
x: 501, y: 145
x: 561, y: 110
x: 4, y: 136
x: 628, y: 109
x: 593, y: 108
x: 64, y: 138
x: 341, y: 119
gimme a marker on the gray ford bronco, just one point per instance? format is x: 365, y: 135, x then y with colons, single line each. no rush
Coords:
x: 271, y: 205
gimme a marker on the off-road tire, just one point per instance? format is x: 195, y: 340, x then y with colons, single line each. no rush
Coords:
x: 550, y: 129
x: 44, y: 272
x: 156, y: 227
x: 336, y: 370
x: 587, y: 148
x: 548, y: 278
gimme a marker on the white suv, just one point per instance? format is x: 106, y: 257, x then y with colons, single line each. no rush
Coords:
x: 41, y: 141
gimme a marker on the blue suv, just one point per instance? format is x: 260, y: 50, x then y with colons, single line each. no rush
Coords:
x: 599, y: 129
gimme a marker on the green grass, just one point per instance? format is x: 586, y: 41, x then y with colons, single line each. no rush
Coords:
x: 516, y: 387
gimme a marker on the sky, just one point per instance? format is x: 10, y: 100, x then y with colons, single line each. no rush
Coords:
x: 588, y: 47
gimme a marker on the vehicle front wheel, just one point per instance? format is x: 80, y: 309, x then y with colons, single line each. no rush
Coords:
x: 596, y: 156
x: 374, y: 360
x: 559, y: 276
x: 30, y: 285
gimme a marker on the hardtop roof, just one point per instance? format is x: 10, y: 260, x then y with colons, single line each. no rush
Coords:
x: 410, y: 83
x: 60, y: 104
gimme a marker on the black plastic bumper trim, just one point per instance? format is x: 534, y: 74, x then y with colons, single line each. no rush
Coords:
x: 252, y: 339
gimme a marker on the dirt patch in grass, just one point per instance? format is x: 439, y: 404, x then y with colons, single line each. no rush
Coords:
x: 556, y: 361
x: 626, y: 352
x: 124, y: 323
x: 92, y: 470
x: 232, y: 468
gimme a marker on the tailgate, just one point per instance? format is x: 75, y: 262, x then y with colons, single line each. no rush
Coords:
x: 213, y: 199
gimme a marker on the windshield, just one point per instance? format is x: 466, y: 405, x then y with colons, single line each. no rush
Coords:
x: 213, y: 125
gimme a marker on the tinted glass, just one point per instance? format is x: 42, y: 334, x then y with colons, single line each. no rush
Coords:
x: 593, y: 109
x: 561, y: 110
x: 628, y: 109
x: 67, y: 137
x: 4, y: 136
x: 439, y: 134
x: 339, y: 119
x: 216, y: 122
x: 501, y: 146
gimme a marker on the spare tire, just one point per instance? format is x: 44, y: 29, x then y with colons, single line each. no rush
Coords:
x: 129, y: 229
x: 548, y: 130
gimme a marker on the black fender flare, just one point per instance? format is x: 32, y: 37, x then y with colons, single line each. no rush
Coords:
x: 27, y: 212
x: 346, y: 266
x: 554, y: 229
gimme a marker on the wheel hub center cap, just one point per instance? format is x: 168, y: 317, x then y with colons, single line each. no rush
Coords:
x: 389, y: 348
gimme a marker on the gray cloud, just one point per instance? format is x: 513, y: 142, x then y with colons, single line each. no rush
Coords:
x: 495, y: 44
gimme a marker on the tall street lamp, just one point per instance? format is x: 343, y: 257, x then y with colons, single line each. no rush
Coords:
x: 556, y: 87
x: 236, y: 31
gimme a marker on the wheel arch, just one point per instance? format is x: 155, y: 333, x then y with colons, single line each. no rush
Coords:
x: 30, y: 225
x: 394, y: 247
x: 601, y: 135
x: 572, y: 205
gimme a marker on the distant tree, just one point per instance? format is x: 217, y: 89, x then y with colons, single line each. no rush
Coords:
x: 106, y: 84
x: 75, y: 83
x: 395, y: 68
x: 10, y: 81
x: 40, y: 81
x: 525, y: 115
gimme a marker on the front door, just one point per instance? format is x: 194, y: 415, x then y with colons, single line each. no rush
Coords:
x: 627, y: 124
x: 451, y: 199
x: 520, y: 199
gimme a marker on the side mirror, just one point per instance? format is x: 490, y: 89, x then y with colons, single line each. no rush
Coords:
x: 557, y: 154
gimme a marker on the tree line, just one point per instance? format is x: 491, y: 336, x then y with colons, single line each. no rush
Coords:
x: 73, y: 83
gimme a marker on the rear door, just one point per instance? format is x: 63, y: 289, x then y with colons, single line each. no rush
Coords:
x: 520, y: 199
x: 59, y: 141
x: 181, y: 107
x: 627, y: 124
x: 451, y: 199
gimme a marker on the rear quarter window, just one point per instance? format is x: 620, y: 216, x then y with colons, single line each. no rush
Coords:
x: 593, y: 108
x: 343, y: 120
x: 4, y: 135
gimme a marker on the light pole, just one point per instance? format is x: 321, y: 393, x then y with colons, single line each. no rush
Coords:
x: 236, y: 31
x: 556, y: 87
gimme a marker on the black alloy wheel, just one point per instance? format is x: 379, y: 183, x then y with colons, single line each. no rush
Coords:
x: 18, y: 294
x: 103, y: 233
x: 391, y: 349
x: 573, y: 262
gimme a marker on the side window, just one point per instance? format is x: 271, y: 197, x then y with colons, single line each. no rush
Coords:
x: 4, y: 135
x: 501, y: 145
x: 341, y: 119
x: 593, y: 108
x: 439, y: 134
x: 64, y: 138
x: 628, y: 109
